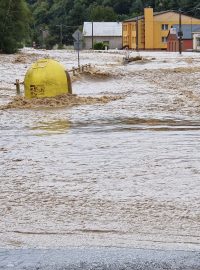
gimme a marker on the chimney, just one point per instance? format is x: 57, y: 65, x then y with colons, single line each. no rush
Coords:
x: 148, y: 21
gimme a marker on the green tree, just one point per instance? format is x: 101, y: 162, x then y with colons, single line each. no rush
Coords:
x: 51, y: 14
x: 41, y: 12
x: 14, y: 24
x: 122, y: 6
x: 137, y: 7
x: 100, y: 13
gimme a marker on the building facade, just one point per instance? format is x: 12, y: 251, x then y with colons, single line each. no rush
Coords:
x: 173, y: 41
x: 196, y: 41
x: 187, y: 40
x: 150, y: 31
x: 110, y: 33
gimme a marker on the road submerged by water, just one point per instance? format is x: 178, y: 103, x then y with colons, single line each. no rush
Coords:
x: 120, y: 176
x: 99, y: 258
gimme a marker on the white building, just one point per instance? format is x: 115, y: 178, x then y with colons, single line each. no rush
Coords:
x: 196, y: 41
x: 110, y: 33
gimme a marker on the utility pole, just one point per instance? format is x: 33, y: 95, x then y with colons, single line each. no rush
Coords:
x: 180, y: 33
x: 42, y: 36
x: 61, y: 32
x: 137, y: 32
x: 92, y: 35
x: 78, y: 50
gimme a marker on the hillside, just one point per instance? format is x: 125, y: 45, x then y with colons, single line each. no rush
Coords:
x: 70, y: 14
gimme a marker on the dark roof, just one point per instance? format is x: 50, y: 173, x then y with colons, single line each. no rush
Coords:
x: 135, y: 19
x: 154, y: 14
x: 188, y: 29
x: 172, y: 37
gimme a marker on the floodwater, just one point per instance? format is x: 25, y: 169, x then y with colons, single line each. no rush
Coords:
x: 121, y: 173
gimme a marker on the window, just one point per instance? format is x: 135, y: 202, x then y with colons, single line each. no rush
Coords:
x: 125, y: 27
x: 106, y: 43
x: 165, y: 26
x: 198, y: 42
x: 164, y: 39
x: 133, y: 40
x: 125, y: 40
x: 133, y: 27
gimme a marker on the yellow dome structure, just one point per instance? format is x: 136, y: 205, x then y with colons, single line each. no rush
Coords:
x: 46, y: 78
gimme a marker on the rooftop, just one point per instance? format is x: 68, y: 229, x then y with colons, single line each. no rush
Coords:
x: 188, y: 30
x: 155, y: 14
x: 102, y: 29
x: 142, y: 16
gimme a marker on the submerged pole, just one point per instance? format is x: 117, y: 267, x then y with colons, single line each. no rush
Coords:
x: 17, y: 83
x: 69, y: 82
x: 180, y: 33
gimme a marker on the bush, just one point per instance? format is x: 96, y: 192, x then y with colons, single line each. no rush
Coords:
x: 60, y: 46
x: 9, y: 45
x: 99, y: 46
x: 50, y: 42
x: 20, y: 45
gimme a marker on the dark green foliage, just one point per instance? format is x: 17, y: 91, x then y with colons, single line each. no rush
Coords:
x: 72, y: 13
x: 50, y: 42
x: 14, y: 25
x: 99, y: 46
x: 100, y: 13
x: 62, y: 17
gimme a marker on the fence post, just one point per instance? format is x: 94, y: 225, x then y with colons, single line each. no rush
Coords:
x: 69, y: 83
x: 17, y: 87
x: 73, y: 70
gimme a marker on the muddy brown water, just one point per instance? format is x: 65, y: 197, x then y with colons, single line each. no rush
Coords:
x: 124, y: 172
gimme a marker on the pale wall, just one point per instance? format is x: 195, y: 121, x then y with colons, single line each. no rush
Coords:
x: 114, y: 42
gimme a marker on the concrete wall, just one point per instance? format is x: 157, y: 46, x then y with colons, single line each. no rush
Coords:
x: 196, y: 38
x: 188, y: 44
x: 114, y: 42
x: 173, y: 45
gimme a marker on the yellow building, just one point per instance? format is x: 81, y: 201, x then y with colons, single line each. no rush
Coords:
x: 150, y: 31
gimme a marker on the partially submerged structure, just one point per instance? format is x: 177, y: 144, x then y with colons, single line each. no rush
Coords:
x: 150, y: 31
x: 46, y: 78
x: 187, y: 38
x: 109, y: 33
x: 196, y: 41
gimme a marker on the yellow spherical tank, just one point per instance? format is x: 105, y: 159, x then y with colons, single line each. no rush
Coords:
x: 45, y: 78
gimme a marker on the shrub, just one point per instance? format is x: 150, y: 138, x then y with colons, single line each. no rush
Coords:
x: 99, y: 46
